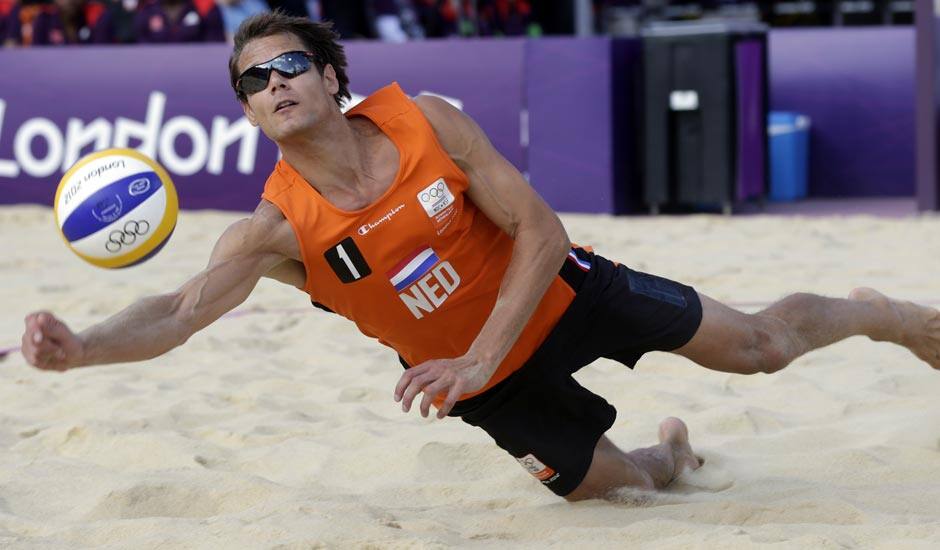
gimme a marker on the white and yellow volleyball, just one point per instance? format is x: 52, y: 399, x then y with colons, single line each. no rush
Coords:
x: 116, y: 208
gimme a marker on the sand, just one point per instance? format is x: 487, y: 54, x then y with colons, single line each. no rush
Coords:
x: 276, y: 428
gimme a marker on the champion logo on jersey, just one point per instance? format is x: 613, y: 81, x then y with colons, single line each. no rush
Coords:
x: 412, y: 268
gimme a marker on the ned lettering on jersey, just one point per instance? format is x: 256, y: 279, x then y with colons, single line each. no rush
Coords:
x: 480, y: 291
x: 430, y: 288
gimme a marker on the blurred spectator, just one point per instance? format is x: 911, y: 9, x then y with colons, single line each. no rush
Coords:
x: 6, y: 8
x: 179, y: 21
x: 439, y: 18
x: 58, y: 23
x: 236, y: 11
x: 349, y: 19
x: 121, y: 15
x: 554, y: 16
x: 504, y: 17
x: 387, y: 15
x: 297, y: 8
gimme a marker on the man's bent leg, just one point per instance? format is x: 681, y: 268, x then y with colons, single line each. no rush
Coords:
x: 650, y: 468
x: 731, y: 341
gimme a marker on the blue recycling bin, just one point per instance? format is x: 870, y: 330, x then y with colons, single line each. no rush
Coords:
x: 789, y: 155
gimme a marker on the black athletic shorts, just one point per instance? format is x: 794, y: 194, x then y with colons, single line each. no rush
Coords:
x: 540, y: 414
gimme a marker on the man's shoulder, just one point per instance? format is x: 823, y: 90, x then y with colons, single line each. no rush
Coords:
x: 267, y: 214
x: 433, y: 106
x: 265, y: 230
x: 452, y: 127
x: 261, y: 224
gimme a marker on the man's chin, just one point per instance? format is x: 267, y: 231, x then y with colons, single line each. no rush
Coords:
x: 289, y: 130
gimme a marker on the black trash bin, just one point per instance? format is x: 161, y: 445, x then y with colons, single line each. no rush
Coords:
x: 705, y: 106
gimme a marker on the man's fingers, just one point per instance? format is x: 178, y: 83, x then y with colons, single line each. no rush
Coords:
x: 417, y: 384
x: 46, y: 346
x: 430, y: 392
x: 55, y: 329
x: 38, y: 326
x: 406, y: 379
x: 40, y: 345
x: 32, y: 328
x: 455, y: 392
x: 29, y: 354
x: 29, y: 347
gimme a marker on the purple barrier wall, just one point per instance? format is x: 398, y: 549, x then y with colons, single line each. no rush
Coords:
x: 568, y: 92
x: 751, y: 90
x: 857, y: 86
x: 928, y: 104
x: 175, y: 104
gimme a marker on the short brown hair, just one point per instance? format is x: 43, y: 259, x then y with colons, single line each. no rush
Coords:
x: 318, y: 38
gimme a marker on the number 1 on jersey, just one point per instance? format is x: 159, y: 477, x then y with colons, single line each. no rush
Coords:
x: 347, y: 261
x: 349, y: 264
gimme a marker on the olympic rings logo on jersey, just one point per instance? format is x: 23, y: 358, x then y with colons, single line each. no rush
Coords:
x: 434, y: 192
x: 126, y: 237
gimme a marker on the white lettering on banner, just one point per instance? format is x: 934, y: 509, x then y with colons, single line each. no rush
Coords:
x: 78, y: 136
x: 225, y: 134
x: 8, y: 168
x: 153, y: 137
x: 146, y: 133
x: 197, y: 135
x: 23, y: 147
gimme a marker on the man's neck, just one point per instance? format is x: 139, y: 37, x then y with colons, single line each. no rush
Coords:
x: 330, y: 160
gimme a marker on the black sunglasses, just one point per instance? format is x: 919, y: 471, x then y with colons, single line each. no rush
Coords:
x: 288, y: 65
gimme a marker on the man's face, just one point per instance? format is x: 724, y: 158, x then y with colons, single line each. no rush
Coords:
x: 287, y: 107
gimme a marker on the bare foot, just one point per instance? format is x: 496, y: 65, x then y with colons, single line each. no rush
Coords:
x: 917, y: 329
x: 674, y: 433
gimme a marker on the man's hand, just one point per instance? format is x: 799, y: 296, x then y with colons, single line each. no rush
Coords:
x: 48, y: 343
x: 454, y: 377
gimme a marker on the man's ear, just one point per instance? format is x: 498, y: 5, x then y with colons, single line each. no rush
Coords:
x: 329, y: 80
x: 249, y: 112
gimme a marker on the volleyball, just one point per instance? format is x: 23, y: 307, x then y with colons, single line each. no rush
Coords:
x: 116, y: 208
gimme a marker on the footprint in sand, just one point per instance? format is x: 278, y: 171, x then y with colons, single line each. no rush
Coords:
x: 359, y: 394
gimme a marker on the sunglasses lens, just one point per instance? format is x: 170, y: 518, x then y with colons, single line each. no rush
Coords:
x: 287, y: 65
x: 291, y: 64
x: 254, y: 80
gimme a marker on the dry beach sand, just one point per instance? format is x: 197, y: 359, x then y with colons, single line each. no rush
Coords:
x: 276, y: 428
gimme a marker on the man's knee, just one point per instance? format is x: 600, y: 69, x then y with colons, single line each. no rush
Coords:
x: 770, y: 348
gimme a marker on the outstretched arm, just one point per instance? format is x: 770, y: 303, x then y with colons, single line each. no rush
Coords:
x: 247, y: 250
x: 540, y: 245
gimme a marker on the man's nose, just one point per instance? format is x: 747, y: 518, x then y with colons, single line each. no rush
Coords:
x: 276, y: 81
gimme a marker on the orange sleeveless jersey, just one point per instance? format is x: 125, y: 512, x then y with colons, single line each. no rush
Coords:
x: 420, y: 268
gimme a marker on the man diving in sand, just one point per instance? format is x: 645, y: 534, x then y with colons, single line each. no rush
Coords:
x: 401, y: 216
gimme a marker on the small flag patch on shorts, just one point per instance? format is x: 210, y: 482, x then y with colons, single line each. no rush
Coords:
x: 583, y: 264
x: 535, y: 467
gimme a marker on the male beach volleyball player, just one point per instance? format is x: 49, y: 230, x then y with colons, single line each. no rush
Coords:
x: 401, y: 216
